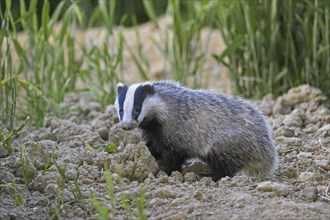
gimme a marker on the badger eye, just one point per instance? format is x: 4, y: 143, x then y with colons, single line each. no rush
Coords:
x: 137, y: 109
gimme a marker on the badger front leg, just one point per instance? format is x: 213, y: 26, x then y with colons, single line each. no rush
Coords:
x: 172, y: 160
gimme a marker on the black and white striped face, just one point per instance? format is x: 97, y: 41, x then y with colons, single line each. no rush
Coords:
x: 133, y: 104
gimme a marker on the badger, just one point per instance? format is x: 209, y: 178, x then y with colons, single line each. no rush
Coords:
x: 178, y: 123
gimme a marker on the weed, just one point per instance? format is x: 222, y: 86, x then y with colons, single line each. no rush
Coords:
x: 18, y: 196
x: 127, y: 203
x: 181, y: 50
x: 26, y: 167
x: 288, y: 47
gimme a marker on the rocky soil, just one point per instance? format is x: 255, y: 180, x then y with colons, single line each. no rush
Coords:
x: 59, y: 169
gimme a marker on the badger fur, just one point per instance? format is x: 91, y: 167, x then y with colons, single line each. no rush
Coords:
x: 178, y: 123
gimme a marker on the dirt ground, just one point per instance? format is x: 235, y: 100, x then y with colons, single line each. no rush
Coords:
x: 58, y: 170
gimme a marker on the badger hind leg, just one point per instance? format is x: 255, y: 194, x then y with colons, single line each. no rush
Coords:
x: 222, y: 164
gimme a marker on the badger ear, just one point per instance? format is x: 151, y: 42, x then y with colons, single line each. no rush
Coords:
x: 148, y: 89
x: 120, y: 87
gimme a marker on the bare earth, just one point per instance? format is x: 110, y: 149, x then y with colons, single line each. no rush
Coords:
x: 298, y: 190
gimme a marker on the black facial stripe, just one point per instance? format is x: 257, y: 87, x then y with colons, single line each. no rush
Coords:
x: 121, y: 100
x: 139, y: 96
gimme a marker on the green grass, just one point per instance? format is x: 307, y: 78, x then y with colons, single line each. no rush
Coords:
x: 275, y: 45
x: 181, y: 50
x: 133, y: 205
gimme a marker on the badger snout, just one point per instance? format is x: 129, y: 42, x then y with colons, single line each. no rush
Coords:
x: 128, y: 125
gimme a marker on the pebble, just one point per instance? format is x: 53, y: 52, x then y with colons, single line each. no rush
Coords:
x: 198, y: 195
x: 309, y: 194
x: 51, y: 188
x: 6, y: 176
x: 324, y: 164
x: 190, y: 177
x: 206, y: 181
x: 163, y: 179
x: 177, y: 176
x: 164, y: 194
x: 284, y: 131
x: 292, y: 121
x: 305, y: 157
x: 280, y: 189
x: 308, y: 176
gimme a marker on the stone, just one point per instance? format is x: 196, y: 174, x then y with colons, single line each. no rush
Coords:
x: 134, y: 163
x: 177, y: 176
x: 324, y: 164
x: 308, y: 176
x: 281, y: 106
x: 292, y: 121
x: 280, y: 189
x: 164, y: 194
x: 309, y: 194
x: 284, y: 131
x: 190, y: 177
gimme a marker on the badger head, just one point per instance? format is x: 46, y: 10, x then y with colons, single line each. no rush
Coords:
x: 134, y: 104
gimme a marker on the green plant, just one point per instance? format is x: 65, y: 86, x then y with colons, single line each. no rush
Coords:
x: 26, y: 167
x: 8, y: 81
x: 137, y: 201
x: 6, y: 137
x: 17, y: 194
x: 275, y: 45
x: 181, y: 50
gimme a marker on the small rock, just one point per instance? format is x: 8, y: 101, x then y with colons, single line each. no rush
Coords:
x: 290, y: 141
x: 178, y: 216
x: 304, y: 93
x: 163, y: 179
x: 279, y: 188
x: 67, y: 196
x: 104, y: 133
x: 190, y: 177
x: 324, y: 131
x: 267, y: 104
x: 3, y: 152
x: 180, y: 201
x: 190, y: 208
x: 156, y: 202
x: 198, y: 195
x: 324, y: 164
x: 308, y: 176
x: 309, y: 193
x: 206, y: 180
x: 299, y: 113
x: 284, y: 131
x: 51, y: 188
x: 305, y: 157
x: 164, y: 194
x: 281, y: 106
x: 161, y: 173
x: 292, y: 121
x: 322, y: 189
x: 177, y: 176
x: 134, y: 163
x: 5, y: 176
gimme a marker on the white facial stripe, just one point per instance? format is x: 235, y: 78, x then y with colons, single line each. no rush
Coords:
x: 153, y: 105
x: 129, y: 102
x: 117, y: 107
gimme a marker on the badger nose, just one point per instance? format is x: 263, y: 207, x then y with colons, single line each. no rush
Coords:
x: 128, y: 125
